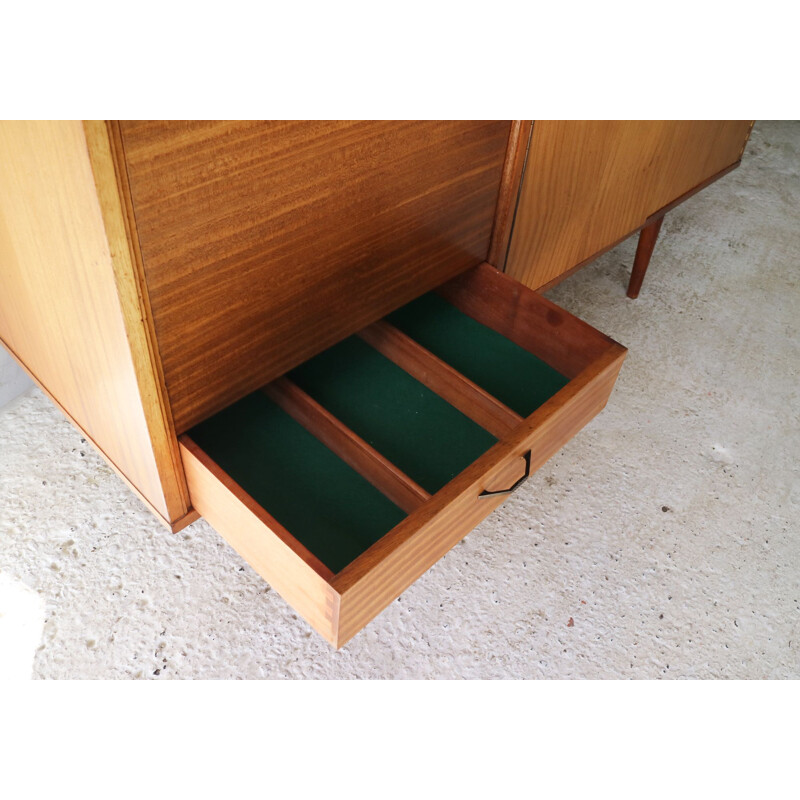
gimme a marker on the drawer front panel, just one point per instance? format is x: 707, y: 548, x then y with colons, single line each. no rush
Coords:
x: 340, y: 591
x: 263, y: 243
x: 369, y: 584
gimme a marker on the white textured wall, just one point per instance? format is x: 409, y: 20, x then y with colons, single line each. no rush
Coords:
x: 13, y: 381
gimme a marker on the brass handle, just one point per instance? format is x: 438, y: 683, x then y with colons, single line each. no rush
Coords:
x: 527, y: 457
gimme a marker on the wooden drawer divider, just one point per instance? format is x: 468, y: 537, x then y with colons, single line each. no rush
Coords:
x: 440, y: 377
x: 349, y: 446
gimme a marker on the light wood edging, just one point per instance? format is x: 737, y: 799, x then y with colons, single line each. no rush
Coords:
x: 350, y: 447
x: 110, y: 180
x: 440, y: 377
x: 383, y: 572
x: 175, y: 525
x: 295, y: 573
x: 519, y: 140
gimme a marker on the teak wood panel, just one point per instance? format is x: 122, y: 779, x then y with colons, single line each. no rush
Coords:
x: 589, y: 184
x: 689, y: 153
x: 68, y: 306
x: 263, y: 243
x: 338, y: 606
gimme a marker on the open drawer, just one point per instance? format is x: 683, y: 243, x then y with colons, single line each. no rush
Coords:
x: 345, y: 480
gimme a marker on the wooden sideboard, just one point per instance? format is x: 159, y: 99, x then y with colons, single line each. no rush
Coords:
x: 303, y: 331
x: 589, y: 185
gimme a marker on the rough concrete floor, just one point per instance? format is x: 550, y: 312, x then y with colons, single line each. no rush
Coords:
x: 667, y: 530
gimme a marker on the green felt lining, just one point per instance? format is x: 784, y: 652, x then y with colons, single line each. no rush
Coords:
x: 320, y: 500
x: 325, y: 504
x: 504, y: 369
x: 418, y: 431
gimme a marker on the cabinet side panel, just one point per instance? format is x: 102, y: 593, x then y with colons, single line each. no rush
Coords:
x: 266, y: 242
x: 589, y: 184
x: 120, y: 226
x: 60, y: 313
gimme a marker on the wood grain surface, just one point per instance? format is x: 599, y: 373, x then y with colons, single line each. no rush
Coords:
x: 60, y: 307
x: 350, y: 447
x: 390, y: 566
x: 263, y: 243
x: 338, y: 606
x: 589, y: 184
x: 449, y: 383
x: 651, y: 219
x: 518, y: 141
x: 113, y: 196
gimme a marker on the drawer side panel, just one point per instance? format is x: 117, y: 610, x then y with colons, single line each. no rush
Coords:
x: 293, y: 572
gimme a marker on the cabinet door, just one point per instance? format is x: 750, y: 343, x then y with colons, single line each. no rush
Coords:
x: 589, y: 184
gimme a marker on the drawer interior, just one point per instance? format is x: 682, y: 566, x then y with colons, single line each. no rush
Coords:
x: 345, y: 479
x: 512, y: 374
x: 331, y: 509
x: 337, y: 511
x: 418, y: 431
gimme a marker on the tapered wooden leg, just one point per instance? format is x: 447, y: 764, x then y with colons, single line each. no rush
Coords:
x: 647, y: 241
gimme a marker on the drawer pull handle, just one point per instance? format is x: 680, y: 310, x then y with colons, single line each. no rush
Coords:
x: 527, y: 457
